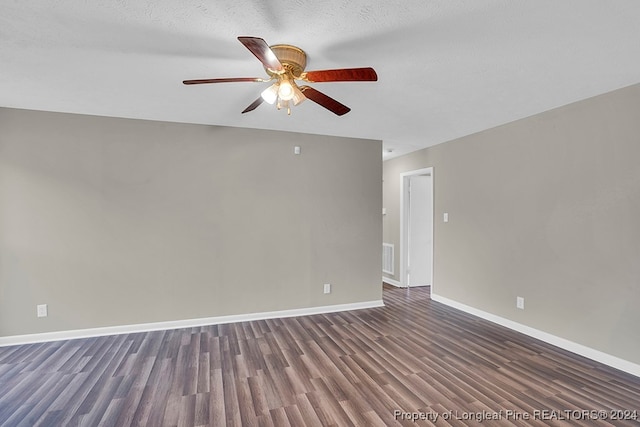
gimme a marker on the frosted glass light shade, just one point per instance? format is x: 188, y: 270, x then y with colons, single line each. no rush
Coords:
x: 285, y: 91
x: 270, y: 94
x: 298, y: 96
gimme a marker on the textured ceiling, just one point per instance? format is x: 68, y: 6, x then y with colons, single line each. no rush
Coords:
x: 446, y: 68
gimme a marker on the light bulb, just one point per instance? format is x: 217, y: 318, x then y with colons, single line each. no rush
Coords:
x: 285, y: 92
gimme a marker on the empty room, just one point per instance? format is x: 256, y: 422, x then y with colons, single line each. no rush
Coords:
x: 342, y: 213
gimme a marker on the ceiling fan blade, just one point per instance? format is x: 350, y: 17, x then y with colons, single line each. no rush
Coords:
x: 224, y: 80
x: 262, y: 51
x: 255, y: 104
x: 325, y: 101
x: 367, y: 74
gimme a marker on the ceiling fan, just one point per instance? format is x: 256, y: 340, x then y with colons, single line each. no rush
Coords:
x: 285, y: 64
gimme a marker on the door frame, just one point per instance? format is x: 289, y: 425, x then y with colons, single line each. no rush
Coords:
x: 404, y: 221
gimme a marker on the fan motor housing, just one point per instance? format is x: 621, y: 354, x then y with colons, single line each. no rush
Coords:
x: 292, y: 58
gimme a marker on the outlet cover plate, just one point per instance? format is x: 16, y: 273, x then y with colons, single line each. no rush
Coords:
x: 520, y: 303
x: 42, y: 310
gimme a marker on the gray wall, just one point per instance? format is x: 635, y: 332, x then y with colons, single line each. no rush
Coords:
x: 547, y: 208
x: 117, y: 222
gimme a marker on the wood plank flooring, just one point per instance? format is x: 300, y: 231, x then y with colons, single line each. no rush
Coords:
x: 413, y: 358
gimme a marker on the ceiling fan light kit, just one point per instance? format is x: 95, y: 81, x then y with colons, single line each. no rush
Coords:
x: 285, y: 64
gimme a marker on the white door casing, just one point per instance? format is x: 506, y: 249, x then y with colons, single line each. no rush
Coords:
x: 416, y: 228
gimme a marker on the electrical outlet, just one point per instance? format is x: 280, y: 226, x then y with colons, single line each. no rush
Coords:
x: 42, y: 310
x: 520, y: 303
x: 327, y: 288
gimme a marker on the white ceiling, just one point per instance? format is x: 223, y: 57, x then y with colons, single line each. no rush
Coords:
x: 447, y: 68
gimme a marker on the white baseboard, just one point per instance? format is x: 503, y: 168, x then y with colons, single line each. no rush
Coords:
x: 590, y: 353
x: 392, y: 282
x: 178, y: 324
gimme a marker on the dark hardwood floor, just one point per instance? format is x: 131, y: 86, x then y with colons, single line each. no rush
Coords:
x: 413, y: 358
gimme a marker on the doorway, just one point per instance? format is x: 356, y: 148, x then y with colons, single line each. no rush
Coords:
x: 416, y: 228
